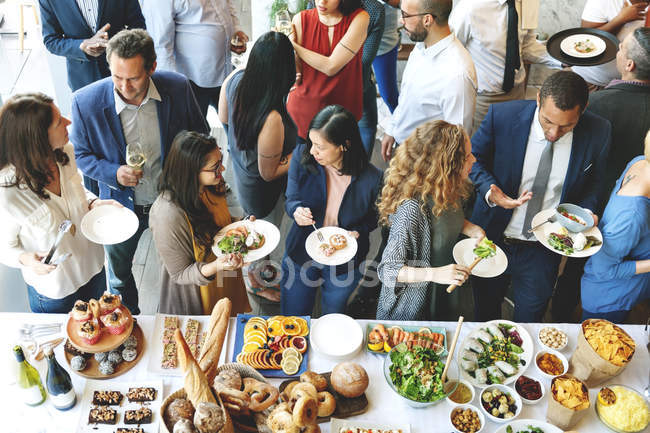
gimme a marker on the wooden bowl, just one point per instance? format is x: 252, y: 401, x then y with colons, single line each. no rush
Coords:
x: 107, y: 341
x: 92, y: 366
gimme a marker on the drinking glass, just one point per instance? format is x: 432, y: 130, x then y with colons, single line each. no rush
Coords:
x: 283, y: 22
x: 135, y: 157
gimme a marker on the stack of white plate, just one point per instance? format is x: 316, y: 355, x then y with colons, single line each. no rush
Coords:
x: 326, y: 332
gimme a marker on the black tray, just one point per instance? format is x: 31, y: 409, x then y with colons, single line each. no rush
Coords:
x: 611, y: 47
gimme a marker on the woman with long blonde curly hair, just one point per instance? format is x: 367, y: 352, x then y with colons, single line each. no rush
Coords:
x: 421, y: 201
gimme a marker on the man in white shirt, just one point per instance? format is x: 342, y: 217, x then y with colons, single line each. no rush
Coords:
x: 483, y: 27
x: 531, y: 157
x: 439, y: 81
x: 192, y: 37
x: 618, y: 17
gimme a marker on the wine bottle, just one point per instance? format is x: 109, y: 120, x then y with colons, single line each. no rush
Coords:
x: 59, y: 385
x: 29, y: 382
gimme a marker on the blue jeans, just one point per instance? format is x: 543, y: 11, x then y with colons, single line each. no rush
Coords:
x: 385, y: 67
x: 300, y: 283
x: 368, y: 122
x: 120, y: 262
x: 93, y: 289
x: 532, y: 270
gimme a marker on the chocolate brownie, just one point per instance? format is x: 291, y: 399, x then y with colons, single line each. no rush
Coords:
x: 141, y: 394
x: 102, y: 415
x: 138, y: 416
x: 107, y: 398
x: 130, y: 430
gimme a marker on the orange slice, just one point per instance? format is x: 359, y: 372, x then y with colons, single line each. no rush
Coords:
x: 274, y: 328
x: 304, y: 327
x: 250, y: 347
x: 291, y: 326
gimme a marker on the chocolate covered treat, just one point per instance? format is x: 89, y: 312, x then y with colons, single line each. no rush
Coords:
x: 129, y: 354
x: 78, y: 363
x: 102, y: 415
x: 106, y: 367
x: 141, y: 394
x: 68, y: 347
x: 131, y: 341
x: 138, y: 416
x: 107, y: 398
x: 130, y: 430
x: 115, y: 356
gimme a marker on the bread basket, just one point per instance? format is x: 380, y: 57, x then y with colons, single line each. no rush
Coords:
x: 227, y: 428
x: 242, y: 369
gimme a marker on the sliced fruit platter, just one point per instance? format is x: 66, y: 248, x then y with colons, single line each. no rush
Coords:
x: 497, y: 352
x: 276, y: 346
x: 381, y: 338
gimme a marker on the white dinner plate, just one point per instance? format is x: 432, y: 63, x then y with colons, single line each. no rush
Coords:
x: 489, y: 267
x: 337, y: 424
x: 522, y: 424
x: 542, y: 233
x: 527, y: 345
x: 109, y: 224
x: 344, y: 255
x: 568, y: 45
x: 268, y: 230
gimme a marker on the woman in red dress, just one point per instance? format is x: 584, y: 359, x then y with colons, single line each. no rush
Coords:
x: 328, y: 41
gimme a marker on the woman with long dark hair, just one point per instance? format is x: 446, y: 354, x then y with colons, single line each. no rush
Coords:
x: 184, y: 219
x: 331, y: 183
x: 40, y: 188
x: 261, y: 134
x: 329, y: 43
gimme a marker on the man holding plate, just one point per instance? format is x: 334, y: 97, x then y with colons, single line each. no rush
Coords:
x: 533, y: 156
x: 135, y: 108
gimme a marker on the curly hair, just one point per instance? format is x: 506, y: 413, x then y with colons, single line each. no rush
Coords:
x: 428, y: 164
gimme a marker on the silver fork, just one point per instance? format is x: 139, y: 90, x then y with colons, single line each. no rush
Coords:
x: 318, y: 234
x: 29, y: 331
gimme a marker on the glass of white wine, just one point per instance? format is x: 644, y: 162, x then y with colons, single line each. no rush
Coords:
x: 135, y: 157
x: 283, y: 22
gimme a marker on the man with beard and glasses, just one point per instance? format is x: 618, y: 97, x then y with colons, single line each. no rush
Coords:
x: 439, y: 81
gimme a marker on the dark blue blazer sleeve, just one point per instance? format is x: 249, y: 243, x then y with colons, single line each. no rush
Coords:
x: 483, y: 148
x: 602, y: 136
x: 293, y: 201
x: 134, y: 17
x: 53, y: 35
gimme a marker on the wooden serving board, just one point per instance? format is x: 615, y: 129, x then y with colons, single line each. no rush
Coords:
x: 92, y: 366
x: 345, y: 407
x: 107, y: 341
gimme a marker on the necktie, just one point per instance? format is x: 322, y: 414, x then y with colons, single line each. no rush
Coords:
x: 512, y: 48
x: 539, y: 187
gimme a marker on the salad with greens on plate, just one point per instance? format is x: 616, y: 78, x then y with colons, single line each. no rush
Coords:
x: 416, y: 373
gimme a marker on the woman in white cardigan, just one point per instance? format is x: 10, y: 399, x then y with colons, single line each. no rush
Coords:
x: 39, y: 188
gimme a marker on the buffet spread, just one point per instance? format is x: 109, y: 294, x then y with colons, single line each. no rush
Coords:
x: 208, y: 374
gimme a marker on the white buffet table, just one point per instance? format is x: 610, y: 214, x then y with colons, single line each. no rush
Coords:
x: 384, y: 406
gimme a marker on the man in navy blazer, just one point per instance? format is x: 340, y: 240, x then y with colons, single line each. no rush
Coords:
x: 533, y: 156
x: 135, y: 107
x: 68, y: 33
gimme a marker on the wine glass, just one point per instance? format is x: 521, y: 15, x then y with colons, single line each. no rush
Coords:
x: 135, y: 157
x: 283, y: 22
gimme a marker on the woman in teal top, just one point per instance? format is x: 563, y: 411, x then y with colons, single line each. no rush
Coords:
x: 618, y: 276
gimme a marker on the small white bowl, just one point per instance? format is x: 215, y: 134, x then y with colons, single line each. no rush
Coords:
x: 472, y: 408
x: 504, y: 390
x: 544, y: 346
x: 562, y: 358
x: 325, y: 337
x: 527, y: 401
x: 468, y: 385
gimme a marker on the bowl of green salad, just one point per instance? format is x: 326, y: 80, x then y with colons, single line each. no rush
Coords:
x: 414, y: 374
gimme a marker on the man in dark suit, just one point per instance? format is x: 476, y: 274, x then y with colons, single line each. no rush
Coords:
x: 542, y: 154
x: 135, y: 107
x: 626, y: 104
x: 78, y: 30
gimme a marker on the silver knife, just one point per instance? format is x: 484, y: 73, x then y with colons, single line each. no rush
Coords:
x: 63, y: 228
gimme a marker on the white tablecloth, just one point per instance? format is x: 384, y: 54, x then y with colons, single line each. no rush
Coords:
x: 384, y: 406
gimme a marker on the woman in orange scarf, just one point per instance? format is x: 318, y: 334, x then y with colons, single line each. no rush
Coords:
x: 184, y: 219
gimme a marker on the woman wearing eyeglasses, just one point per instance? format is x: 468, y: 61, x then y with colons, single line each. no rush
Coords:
x: 184, y: 219
x: 328, y: 41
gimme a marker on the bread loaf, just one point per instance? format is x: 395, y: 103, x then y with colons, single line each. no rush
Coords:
x: 215, y: 335
x: 196, y: 385
x: 349, y: 379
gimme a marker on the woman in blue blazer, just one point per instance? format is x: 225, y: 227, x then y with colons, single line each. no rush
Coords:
x: 331, y: 183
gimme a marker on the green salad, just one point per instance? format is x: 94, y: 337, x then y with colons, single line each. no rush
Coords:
x: 416, y: 373
x: 530, y: 429
x: 485, y: 249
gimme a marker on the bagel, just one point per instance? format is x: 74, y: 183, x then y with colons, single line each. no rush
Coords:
x: 303, y: 389
x: 326, y: 404
x: 262, y: 395
x: 305, y: 411
x: 286, y: 394
x: 315, y: 379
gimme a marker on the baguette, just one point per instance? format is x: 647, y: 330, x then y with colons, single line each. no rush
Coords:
x: 215, y: 335
x: 196, y: 385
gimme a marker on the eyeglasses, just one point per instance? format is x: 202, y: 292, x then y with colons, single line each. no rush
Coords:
x: 406, y: 15
x: 215, y: 169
